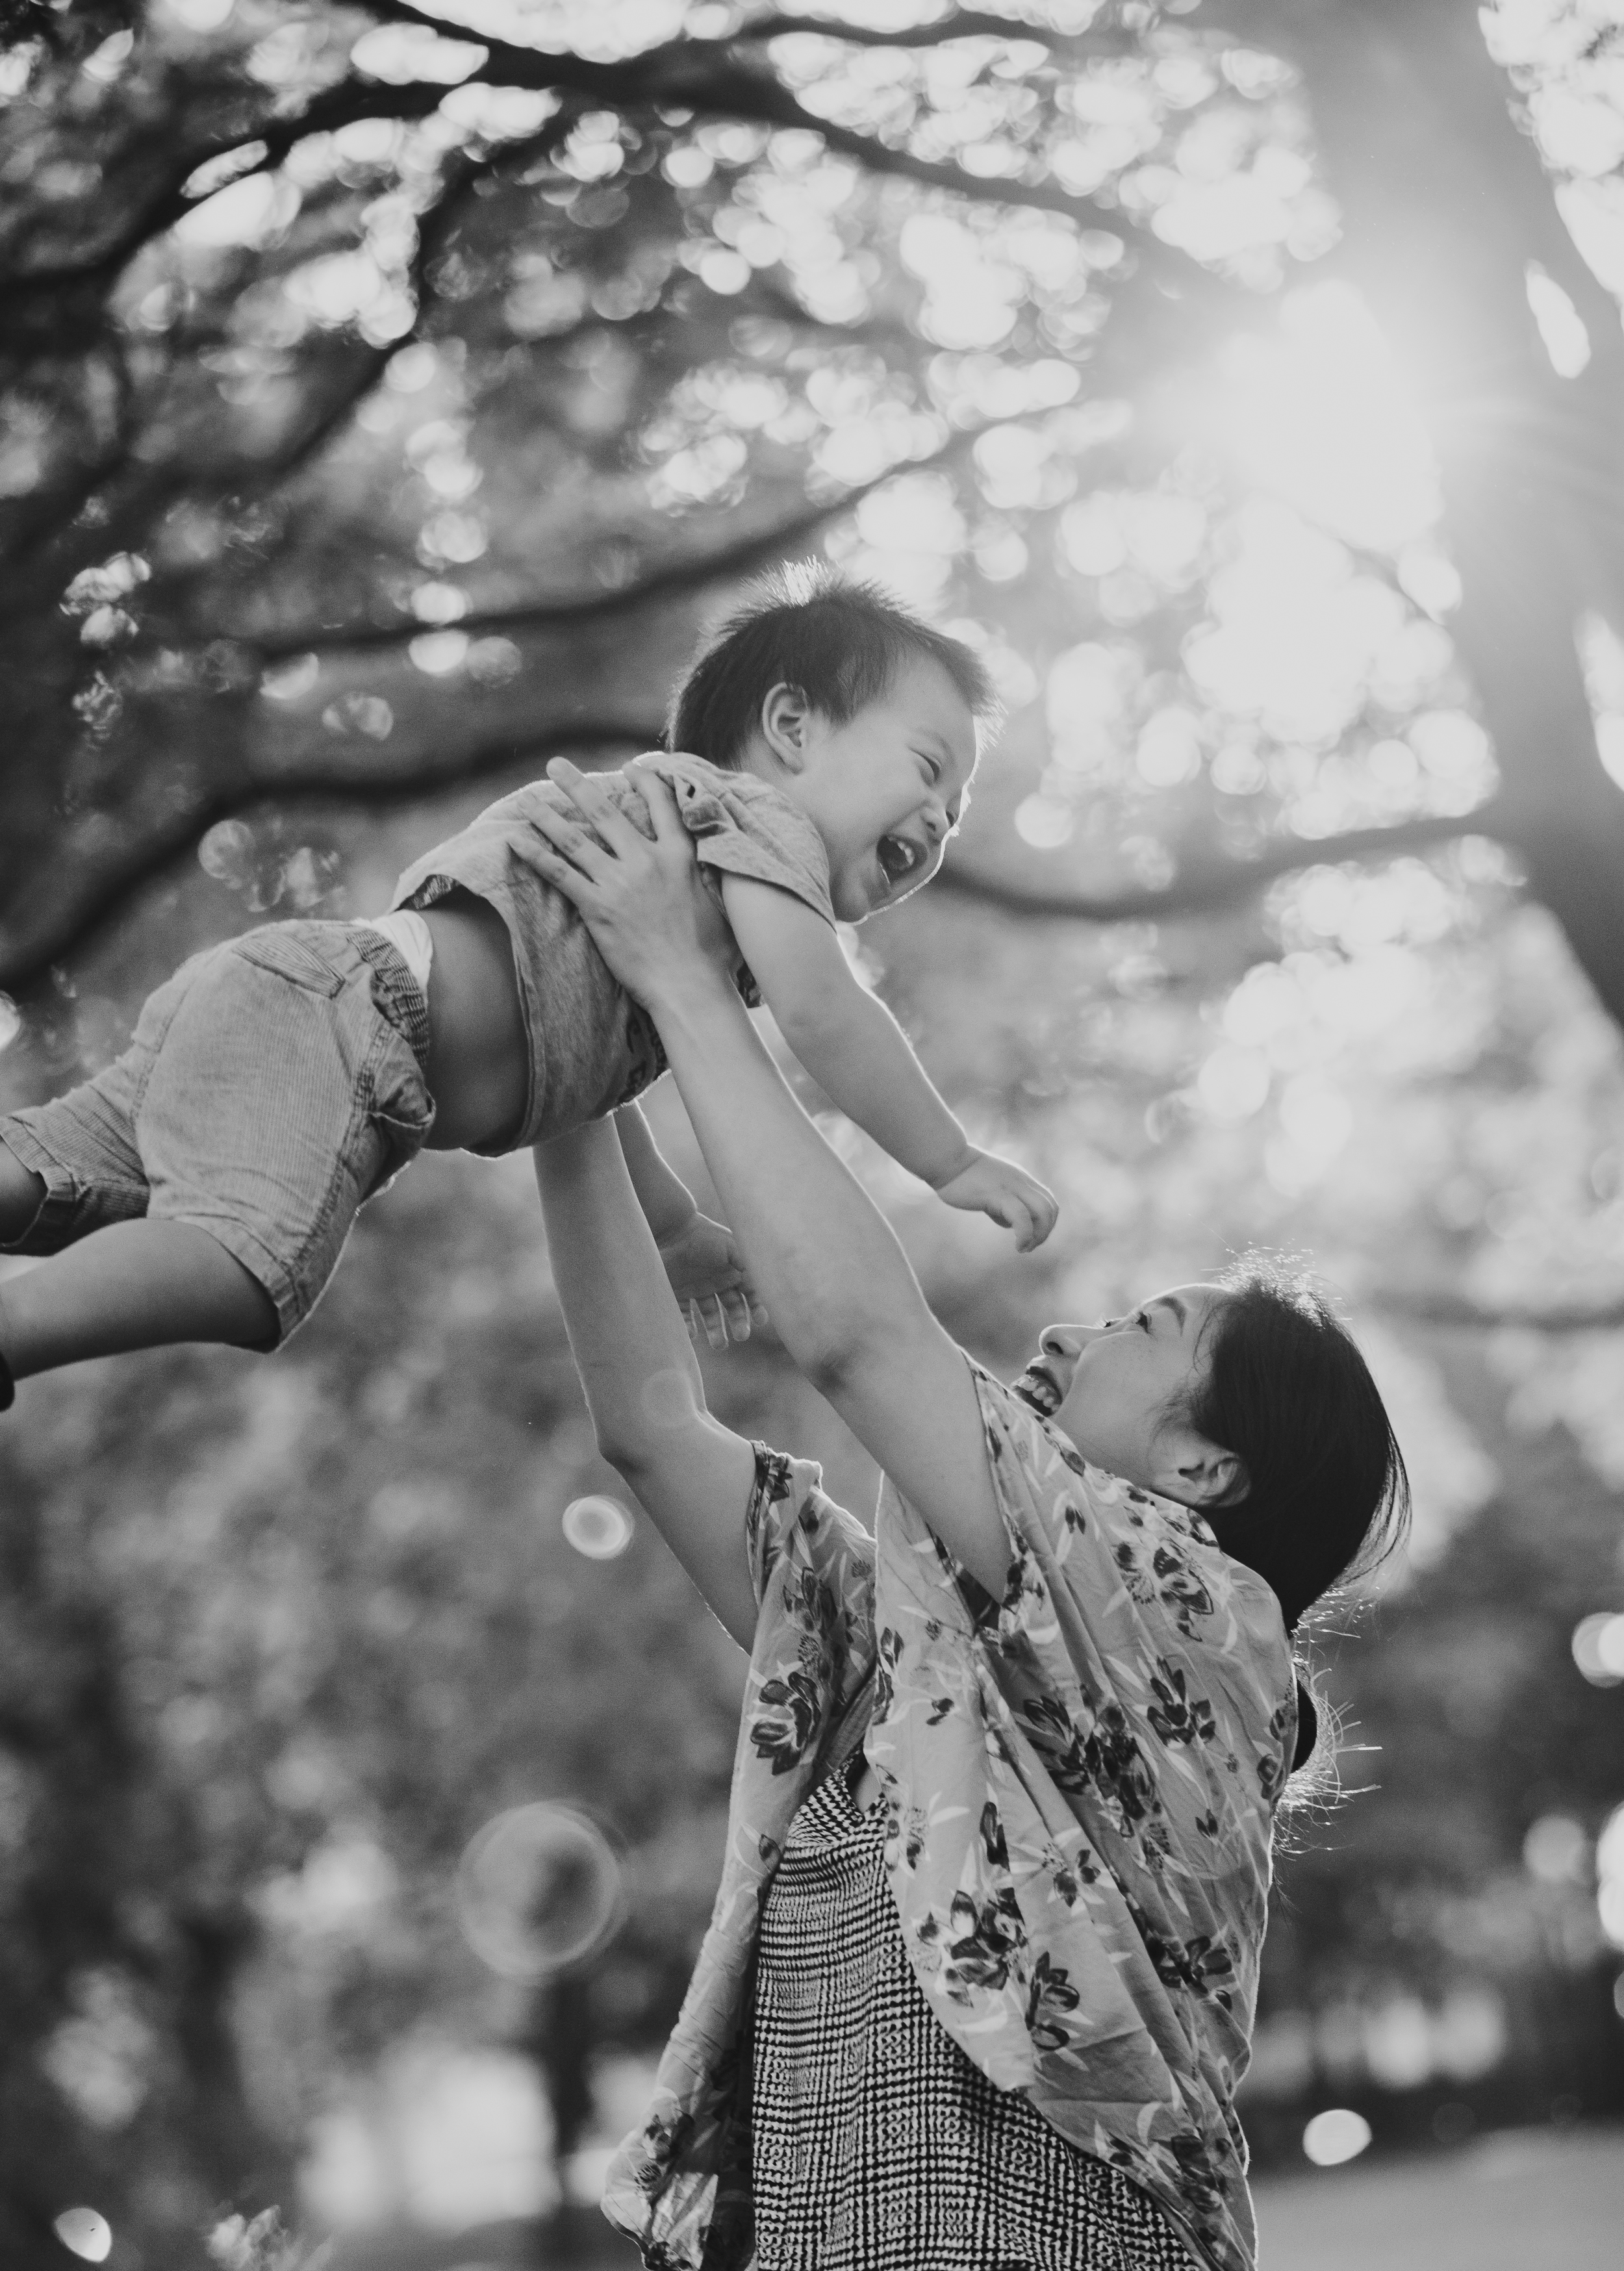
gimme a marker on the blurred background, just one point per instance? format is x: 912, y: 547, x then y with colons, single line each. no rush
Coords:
x: 391, y: 396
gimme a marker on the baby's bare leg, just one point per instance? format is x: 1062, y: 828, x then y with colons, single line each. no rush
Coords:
x: 132, y: 1285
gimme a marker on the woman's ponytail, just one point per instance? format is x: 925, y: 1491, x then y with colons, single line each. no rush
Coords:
x: 1285, y: 1386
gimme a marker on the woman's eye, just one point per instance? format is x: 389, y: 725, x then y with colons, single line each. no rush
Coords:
x: 930, y: 766
x: 1142, y: 1319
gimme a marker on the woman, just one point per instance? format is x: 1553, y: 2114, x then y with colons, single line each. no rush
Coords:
x: 979, y: 1982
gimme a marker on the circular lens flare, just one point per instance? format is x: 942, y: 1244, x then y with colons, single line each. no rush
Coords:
x: 538, y: 1888
x: 598, y: 1527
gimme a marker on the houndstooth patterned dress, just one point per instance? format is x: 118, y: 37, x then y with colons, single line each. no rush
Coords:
x: 878, y: 2145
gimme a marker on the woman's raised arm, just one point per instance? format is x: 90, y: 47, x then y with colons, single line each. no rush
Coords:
x: 692, y: 1475
x: 838, y: 1285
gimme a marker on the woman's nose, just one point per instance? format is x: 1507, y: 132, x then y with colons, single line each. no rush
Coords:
x: 1061, y: 1340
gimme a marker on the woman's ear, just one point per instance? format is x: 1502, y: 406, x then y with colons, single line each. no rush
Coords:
x: 785, y: 717
x: 1206, y: 1475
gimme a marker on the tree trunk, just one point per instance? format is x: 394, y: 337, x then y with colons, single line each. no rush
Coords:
x: 1444, y: 204
x: 228, y: 2147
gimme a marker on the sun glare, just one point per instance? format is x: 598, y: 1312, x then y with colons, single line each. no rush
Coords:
x: 1318, y: 414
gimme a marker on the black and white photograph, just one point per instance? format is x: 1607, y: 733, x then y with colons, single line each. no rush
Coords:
x: 811, y: 1136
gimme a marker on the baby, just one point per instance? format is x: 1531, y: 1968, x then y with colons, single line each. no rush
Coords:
x: 205, y: 1183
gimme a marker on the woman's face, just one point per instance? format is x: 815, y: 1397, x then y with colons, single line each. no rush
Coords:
x: 1110, y: 1387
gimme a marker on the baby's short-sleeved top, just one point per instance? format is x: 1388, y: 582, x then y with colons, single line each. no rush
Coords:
x: 592, y: 1046
x: 1080, y: 1781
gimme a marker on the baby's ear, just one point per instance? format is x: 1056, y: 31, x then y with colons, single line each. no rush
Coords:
x: 784, y: 716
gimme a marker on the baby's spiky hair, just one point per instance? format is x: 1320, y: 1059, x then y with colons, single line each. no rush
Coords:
x: 839, y: 642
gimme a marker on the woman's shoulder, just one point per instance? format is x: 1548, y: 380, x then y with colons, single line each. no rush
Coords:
x: 1109, y: 1540
x: 790, y: 1513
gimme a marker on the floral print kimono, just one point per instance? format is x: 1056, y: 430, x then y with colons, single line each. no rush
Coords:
x: 1080, y: 1781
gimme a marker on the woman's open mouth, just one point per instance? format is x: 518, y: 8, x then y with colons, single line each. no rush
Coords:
x: 899, y: 858
x: 1037, y: 1388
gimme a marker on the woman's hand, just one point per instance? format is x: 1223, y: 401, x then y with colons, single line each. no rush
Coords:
x: 645, y: 904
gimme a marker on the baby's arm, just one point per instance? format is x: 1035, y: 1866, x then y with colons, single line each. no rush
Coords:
x: 666, y: 1202
x: 701, y: 1260
x: 861, y: 1057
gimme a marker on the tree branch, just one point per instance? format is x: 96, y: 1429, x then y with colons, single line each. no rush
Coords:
x: 352, y: 99
x: 365, y: 369
x: 738, y: 558
x: 79, y: 910
x: 707, y: 76
x: 960, y: 24
x: 1213, y: 885
x: 77, y: 914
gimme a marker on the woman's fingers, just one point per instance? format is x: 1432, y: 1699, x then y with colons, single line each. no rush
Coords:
x: 660, y: 799
x: 592, y: 798
x: 568, y: 838
x: 555, y: 869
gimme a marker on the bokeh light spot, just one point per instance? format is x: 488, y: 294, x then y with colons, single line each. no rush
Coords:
x: 1598, y: 1648
x: 436, y: 652
x: 1555, y: 1850
x: 1339, y: 2135
x: 1561, y: 326
x: 1233, y: 1081
x: 286, y: 681
x: 1044, y: 822
x: 596, y: 1526
x: 537, y: 1890
x: 228, y: 853
x: 84, y: 2234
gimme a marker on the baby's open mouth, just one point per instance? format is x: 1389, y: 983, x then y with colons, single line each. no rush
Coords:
x: 899, y: 858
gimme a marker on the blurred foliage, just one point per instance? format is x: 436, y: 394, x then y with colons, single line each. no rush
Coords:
x: 386, y: 407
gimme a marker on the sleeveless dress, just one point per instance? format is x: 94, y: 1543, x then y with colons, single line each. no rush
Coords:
x: 878, y: 2146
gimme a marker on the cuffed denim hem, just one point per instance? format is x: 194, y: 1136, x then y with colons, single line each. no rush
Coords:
x: 59, y: 1220
x: 276, y: 1283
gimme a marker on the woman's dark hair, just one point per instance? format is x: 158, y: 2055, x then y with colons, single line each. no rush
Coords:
x: 837, y: 641
x: 1285, y: 1386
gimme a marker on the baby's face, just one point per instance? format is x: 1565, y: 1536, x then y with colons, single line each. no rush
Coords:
x: 887, y: 789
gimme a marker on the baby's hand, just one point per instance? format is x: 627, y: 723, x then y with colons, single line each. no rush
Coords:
x: 998, y: 1188
x: 711, y: 1283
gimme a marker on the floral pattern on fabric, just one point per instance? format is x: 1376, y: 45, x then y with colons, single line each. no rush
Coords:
x: 1080, y: 1781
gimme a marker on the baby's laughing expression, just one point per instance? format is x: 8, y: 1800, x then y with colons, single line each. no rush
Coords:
x: 888, y: 788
